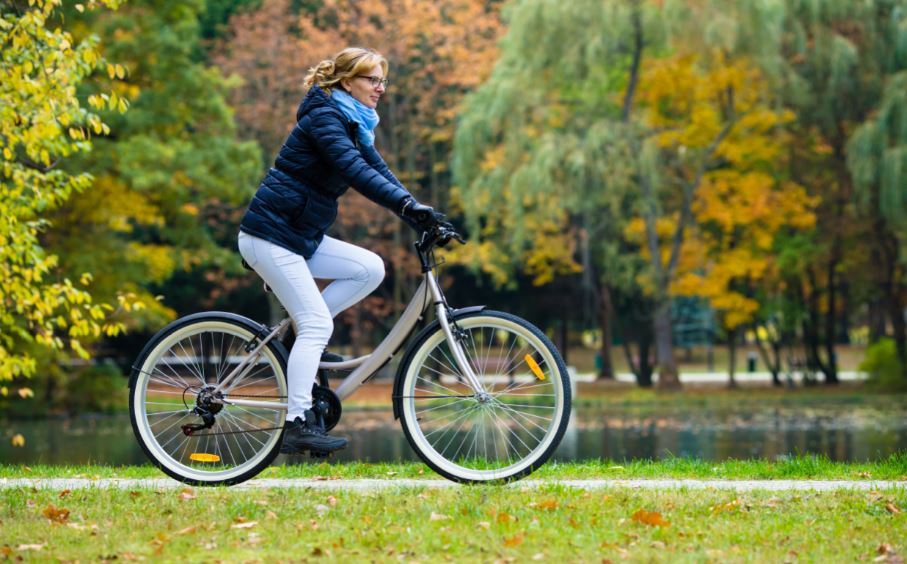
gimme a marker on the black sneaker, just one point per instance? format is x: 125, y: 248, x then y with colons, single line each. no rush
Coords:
x: 307, y: 435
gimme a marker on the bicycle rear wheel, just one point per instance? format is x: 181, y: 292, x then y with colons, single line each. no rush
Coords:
x: 176, y: 374
x: 501, y: 435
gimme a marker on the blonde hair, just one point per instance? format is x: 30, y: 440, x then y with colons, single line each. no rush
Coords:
x: 348, y: 63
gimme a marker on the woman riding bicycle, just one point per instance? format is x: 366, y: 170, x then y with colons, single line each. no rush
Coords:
x: 282, y: 235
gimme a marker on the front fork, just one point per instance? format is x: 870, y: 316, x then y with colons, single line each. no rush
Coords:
x: 453, y: 340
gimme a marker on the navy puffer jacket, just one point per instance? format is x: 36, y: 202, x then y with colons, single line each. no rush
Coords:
x: 297, y: 200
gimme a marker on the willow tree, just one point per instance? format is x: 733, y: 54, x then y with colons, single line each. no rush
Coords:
x: 877, y: 157
x: 560, y: 133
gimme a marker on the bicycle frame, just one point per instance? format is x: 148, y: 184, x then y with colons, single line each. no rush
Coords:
x: 428, y: 293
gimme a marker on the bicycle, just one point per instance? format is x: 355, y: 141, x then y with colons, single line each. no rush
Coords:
x: 482, y: 395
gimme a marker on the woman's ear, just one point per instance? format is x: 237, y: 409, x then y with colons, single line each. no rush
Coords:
x: 345, y: 84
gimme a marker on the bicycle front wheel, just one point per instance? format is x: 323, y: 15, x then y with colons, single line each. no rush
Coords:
x: 502, y: 434
x: 173, y: 382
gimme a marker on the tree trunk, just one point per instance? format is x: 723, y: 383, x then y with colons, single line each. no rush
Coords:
x: 900, y: 328
x: 876, y: 320
x: 562, y: 338
x: 831, y: 369
x: 732, y: 357
x: 645, y: 365
x: 668, y: 379
x: 774, y: 365
x: 606, y: 371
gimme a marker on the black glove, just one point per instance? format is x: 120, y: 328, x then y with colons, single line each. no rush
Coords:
x: 420, y: 217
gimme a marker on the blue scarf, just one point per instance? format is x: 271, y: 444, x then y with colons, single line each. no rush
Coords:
x: 366, y: 117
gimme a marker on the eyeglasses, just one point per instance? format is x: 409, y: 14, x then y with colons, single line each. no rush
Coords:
x: 375, y: 80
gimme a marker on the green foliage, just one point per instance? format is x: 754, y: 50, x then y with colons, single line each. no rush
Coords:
x: 885, y: 370
x: 171, y: 163
x: 42, y: 122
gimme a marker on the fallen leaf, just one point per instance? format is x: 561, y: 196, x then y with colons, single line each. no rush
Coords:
x: 5, y: 551
x: 186, y: 531
x: 485, y: 524
x: 25, y: 393
x: 515, y: 540
x: 271, y: 515
x: 504, y: 517
x: 391, y: 473
x: 186, y: 494
x: 729, y: 506
x: 538, y: 556
x: 322, y: 509
x: 651, y: 518
x: 892, y: 508
x: 18, y: 440
x: 30, y: 503
x: 332, y: 500
x: 65, y: 493
x: 247, y: 525
x: 864, y: 475
x: 438, y: 517
x: 548, y: 504
x: 54, y: 514
x: 324, y: 478
x: 135, y: 494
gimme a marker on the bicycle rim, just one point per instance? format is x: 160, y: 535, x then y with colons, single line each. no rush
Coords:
x: 515, y: 429
x: 243, y: 439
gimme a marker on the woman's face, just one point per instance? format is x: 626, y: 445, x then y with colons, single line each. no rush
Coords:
x: 360, y: 87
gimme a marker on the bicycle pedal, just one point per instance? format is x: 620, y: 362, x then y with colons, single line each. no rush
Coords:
x: 320, y: 454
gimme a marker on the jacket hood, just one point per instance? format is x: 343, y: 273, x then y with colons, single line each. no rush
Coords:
x: 316, y: 98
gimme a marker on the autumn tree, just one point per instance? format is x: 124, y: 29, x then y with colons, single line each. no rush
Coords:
x: 745, y: 202
x: 437, y: 51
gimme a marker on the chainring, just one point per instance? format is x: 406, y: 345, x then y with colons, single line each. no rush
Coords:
x: 332, y: 412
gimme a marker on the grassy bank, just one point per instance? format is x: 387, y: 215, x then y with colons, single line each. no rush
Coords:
x: 794, y: 468
x: 473, y: 524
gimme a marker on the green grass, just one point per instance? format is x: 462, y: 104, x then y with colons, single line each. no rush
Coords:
x: 799, y: 467
x: 462, y: 524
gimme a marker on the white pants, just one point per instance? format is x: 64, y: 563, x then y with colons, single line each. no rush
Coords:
x: 355, y: 272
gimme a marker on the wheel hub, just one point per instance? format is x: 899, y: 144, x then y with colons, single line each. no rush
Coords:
x: 208, y: 401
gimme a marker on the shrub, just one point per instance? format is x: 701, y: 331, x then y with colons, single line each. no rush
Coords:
x: 99, y: 388
x: 884, y: 368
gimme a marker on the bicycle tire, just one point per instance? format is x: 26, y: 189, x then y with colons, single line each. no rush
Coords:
x: 242, y: 330
x: 517, y: 418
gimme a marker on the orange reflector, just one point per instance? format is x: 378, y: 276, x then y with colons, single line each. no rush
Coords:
x: 534, y: 366
x: 204, y: 457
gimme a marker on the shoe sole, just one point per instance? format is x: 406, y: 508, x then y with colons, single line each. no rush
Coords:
x: 313, y: 453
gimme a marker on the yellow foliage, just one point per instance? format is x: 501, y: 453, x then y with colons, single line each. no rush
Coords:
x: 739, y: 207
x: 42, y: 122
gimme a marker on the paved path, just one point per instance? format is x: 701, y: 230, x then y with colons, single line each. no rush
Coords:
x: 385, y: 484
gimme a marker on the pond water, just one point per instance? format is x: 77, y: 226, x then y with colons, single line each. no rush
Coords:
x: 863, y: 430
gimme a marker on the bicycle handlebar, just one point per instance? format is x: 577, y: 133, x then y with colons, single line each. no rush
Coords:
x: 438, y: 236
